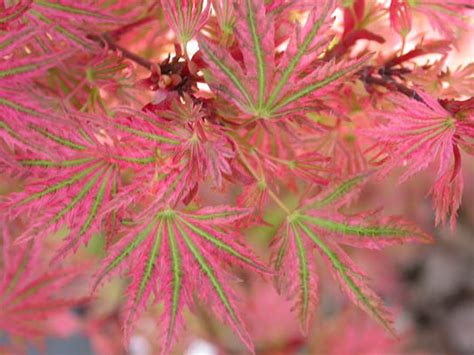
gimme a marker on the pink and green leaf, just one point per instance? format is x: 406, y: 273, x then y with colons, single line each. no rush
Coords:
x: 179, y: 247
x: 71, y: 10
x: 11, y: 41
x: 29, y: 293
x: 186, y: 17
x: 71, y: 36
x: 321, y: 226
x: 72, y: 188
x: 270, y: 88
x: 26, y: 68
x: 351, y: 280
x: 255, y: 33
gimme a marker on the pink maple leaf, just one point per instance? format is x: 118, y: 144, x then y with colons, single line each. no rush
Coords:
x: 29, y: 293
x: 318, y: 227
x: 417, y: 134
x: 186, y: 17
x: 71, y: 181
x: 175, y: 255
x: 264, y: 85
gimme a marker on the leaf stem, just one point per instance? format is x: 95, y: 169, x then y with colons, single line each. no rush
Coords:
x: 271, y: 193
x: 278, y: 201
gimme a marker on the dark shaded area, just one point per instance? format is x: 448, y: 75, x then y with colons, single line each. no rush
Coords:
x: 75, y: 345
x: 439, y: 289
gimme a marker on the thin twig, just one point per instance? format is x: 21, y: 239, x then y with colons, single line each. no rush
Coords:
x: 388, y: 83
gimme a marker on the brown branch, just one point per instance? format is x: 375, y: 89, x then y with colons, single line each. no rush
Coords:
x: 367, y: 76
x: 106, y: 40
x: 390, y: 83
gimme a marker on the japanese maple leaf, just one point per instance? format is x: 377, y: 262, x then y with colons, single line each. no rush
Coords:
x: 280, y: 159
x: 26, y: 68
x: 460, y: 80
x: 186, y: 17
x: 400, y: 17
x: 29, y: 294
x: 225, y: 17
x: 71, y: 181
x: 56, y: 23
x: 337, y: 138
x: 266, y: 85
x: 417, y: 134
x: 209, y: 154
x: 92, y: 78
x: 318, y: 227
x: 205, y: 149
x: 188, y: 148
x: 19, y: 107
x: 176, y: 256
x: 13, y: 12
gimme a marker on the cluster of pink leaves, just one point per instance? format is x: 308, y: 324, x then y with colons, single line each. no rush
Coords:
x: 283, y: 112
x: 30, y: 294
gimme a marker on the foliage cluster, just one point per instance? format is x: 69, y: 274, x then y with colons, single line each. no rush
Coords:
x: 168, y: 128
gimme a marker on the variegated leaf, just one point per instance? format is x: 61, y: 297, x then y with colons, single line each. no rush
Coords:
x: 263, y: 86
x: 320, y: 227
x: 174, y: 254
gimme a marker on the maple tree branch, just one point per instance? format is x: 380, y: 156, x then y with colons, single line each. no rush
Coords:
x: 386, y: 81
x: 390, y: 83
x: 107, y: 40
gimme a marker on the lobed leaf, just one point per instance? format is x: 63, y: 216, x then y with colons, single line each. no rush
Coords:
x: 338, y: 194
x: 173, y: 254
x: 418, y: 134
x: 351, y: 280
x: 293, y: 64
x: 322, y: 227
x: 295, y: 273
x: 186, y: 17
x: 269, y: 87
x: 30, y: 294
x: 225, y: 15
x: 14, y: 109
x: 255, y: 34
x: 73, y: 183
x: 64, y: 32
